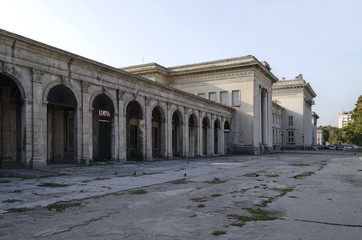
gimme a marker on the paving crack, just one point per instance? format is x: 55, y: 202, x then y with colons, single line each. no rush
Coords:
x: 328, y: 223
x: 51, y: 232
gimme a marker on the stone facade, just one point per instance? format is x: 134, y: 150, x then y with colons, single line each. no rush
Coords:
x: 58, y: 107
x: 244, y: 83
x: 296, y: 96
x: 277, y: 125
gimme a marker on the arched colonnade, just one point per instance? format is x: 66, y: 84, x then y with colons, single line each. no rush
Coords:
x: 101, y: 124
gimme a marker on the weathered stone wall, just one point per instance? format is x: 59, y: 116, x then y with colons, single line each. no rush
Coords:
x: 37, y: 68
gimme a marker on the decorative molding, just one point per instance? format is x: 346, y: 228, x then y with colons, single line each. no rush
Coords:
x: 85, y: 86
x: 10, y: 69
x: 37, y: 75
x: 214, y: 77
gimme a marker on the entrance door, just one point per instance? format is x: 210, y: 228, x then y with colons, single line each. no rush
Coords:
x: 104, y: 140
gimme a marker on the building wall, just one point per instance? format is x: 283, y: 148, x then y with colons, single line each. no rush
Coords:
x: 252, y: 119
x: 37, y: 69
x: 296, y: 96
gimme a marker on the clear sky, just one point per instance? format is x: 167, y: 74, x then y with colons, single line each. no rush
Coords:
x: 321, y: 39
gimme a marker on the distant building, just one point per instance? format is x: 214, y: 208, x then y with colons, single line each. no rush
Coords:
x: 296, y: 96
x: 344, y: 119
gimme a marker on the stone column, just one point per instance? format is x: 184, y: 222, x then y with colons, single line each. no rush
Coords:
x: 87, y: 129
x: 212, y: 135
x: 122, y: 145
x: 39, y: 127
x: 168, y: 128
x: 148, y: 130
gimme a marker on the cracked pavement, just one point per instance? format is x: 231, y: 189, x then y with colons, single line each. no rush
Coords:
x: 291, y: 195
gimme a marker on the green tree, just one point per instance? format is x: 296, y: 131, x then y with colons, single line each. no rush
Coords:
x: 354, y: 129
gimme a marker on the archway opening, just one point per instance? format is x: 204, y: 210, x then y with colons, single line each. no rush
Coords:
x: 103, y: 115
x: 158, y: 133
x: 216, y: 136
x: 192, y: 136
x: 135, y: 131
x: 177, y: 134
x: 61, y: 125
x: 11, y: 124
x: 205, y: 135
x: 226, y: 137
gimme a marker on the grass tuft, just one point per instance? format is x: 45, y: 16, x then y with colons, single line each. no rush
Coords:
x: 139, y: 191
x: 53, y: 185
x: 216, y: 195
x: 60, y: 207
x: 24, y: 209
x: 218, y: 233
x: 11, y: 200
x: 180, y: 181
x: 201, y: 199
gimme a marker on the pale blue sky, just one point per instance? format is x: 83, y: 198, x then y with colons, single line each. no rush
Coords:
x: 321, y: 39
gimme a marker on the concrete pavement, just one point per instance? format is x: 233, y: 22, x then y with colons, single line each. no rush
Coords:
x: 279, y: 196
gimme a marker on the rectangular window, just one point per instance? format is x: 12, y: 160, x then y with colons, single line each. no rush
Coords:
x: 212, y: 96
x: 236, y: 98
x: 201, y: 95
x: 290, y: 136
x: 290, y: 120
x: 223, y: 98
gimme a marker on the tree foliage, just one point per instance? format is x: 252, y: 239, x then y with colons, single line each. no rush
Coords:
x: 354, y: 130
x: 352, y: 133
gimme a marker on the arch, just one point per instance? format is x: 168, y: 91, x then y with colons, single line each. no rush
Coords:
x: 61, y: 95
x: 61, y: 125
x: 177, y: 134
x: 158, y: 132
x: 216, y: 136
x: 192, y: 138
x: 64, y: 84
x: 103, y: 126
x: 12, y: 122
x: 205, y: 135
x: 134, y: 131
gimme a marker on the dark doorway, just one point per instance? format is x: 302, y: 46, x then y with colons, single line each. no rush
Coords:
x: 11, y: 111
x: 134, y: 133
x: 192, y: 136
x: 216, y: 136
x: 158, y: 132
x: 61, y: 125
x: 205, y: 135
x: 103, y: 111
x: 176, y: 134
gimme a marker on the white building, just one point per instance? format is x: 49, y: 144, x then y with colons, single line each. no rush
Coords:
x: 344, y: 118
x: 297, y: 97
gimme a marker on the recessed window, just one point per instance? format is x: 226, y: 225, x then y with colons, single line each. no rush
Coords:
x: 223, y: 98
x: 201, y: 95
x: 212, y: 96
x: 235, y: 97
x: 290, y: 136
x: 290, y: 120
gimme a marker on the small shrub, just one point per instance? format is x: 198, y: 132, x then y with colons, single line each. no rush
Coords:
x: 201, y: 205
